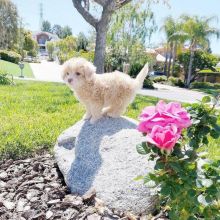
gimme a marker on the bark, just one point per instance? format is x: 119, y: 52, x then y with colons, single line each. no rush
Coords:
x: 100, y: 25
x: 189, y: 76
x: 165, y: 63
x: 169, y: 63
x: 174, y: 58
x: 100, y: 46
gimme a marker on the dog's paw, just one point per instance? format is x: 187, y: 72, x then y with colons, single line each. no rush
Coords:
x: 87, y: 116
x: 94, y: 120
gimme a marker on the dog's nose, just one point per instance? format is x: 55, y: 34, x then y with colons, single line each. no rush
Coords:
x: 70, y: 80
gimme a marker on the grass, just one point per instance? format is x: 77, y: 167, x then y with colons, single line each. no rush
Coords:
x: 13, y: 69
x: 33, y: 114
x: 209, y: 91
x: 210, y: 71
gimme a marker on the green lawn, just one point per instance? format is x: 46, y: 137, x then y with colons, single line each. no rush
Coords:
x: 14, y: 69
x: 33, y: 114
x: 209, y: 91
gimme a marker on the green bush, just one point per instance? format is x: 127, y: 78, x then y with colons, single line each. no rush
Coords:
x: 135, y: 68
x: 148, y: 84
x: 176, y: 81
x: 205, y: 85
x: 177, y: 70
x: 66, y: 56
x: 160, y: 79
x: 4, y: 80
x: 10, y: 56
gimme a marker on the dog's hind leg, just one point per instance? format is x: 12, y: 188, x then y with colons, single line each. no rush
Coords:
x: 116, y: 112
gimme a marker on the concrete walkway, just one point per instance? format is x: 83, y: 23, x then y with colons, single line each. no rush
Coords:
x: 51, y: 72
x: 173, y: 93
x: 47, y: 71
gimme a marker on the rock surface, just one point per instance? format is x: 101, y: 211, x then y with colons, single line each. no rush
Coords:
x: 103, y: 157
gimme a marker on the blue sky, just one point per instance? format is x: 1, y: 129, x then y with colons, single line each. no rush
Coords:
x: 63, y: 13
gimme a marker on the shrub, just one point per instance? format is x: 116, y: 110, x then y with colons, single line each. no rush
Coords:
x: 176, y: 81
x: 87, y: 55
x: 202, y: 60
x: 10, y: 56
x: 148, y: 84
x: 205, y: 85
x: 50, y: 49
x: 160, y: 79
x: 177, y: 70
x: 4, y: 80
x: 186, y: 180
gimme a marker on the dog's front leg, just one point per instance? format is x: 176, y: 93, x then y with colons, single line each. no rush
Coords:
x: 96, y: 111
x: 88, y: 114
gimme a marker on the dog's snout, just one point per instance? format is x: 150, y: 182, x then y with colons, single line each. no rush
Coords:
x: 70, y: 80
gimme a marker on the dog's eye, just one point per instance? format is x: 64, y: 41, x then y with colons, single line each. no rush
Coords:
x: 77, y: 73
x: 67, y: 74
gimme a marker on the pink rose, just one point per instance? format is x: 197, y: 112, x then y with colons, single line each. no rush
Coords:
x: 164, y: 114
x: 163, y: 137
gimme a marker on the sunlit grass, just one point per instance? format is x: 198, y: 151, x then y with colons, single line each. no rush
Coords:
x: 33, y: 114
x: 13, y: 69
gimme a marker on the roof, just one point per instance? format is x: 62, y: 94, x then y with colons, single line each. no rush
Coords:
x: 50, y: 35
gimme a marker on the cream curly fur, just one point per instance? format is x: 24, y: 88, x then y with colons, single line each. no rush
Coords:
x: 102, y: 94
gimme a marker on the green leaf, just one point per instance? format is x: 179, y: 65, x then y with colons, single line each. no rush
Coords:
x: 214, y: 134
x: 138, y: 178
x: 165, y: 190
x: 206, y: 99
x: 195, y: 121
x: 159, y: 165
x: 192, y: 218
x: 205, y: 140
x: 202, y: 200
x: 191, y: 193
x: 176, y: 166
x: 147, y: 178
x: 206, y: 182
x: 142, y: 148
x: 150, y: 184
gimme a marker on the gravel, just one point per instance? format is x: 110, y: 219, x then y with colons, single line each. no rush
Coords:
x: 34, y: 189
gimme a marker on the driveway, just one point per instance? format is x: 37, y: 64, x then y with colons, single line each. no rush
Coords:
x: 47, y: 71
x: 173, y: 93
x: 51, y: 72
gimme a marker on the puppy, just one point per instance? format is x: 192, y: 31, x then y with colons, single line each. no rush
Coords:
x: 105, y: 94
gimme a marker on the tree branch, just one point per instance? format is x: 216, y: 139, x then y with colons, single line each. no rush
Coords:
x: 86, y: 15
x: 101, y: 2
x: 121, y: 3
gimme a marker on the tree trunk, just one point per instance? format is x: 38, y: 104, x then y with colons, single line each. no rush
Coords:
x: 165, y: 63
x: 189, y: 76
x: 174, y: 58
x: 99, y: 61
x: 169, y: 63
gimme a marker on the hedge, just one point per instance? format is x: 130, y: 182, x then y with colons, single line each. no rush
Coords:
x: 205, y: 85
x: 10, y: 56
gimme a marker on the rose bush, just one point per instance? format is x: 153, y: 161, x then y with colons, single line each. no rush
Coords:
x: 188, y: 183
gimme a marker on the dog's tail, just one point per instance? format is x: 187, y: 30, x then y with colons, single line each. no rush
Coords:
x: 141, y: 76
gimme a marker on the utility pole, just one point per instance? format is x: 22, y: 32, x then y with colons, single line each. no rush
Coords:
x: 41, y: 16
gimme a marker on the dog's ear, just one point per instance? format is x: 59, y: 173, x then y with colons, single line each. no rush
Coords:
x: 89, y: 70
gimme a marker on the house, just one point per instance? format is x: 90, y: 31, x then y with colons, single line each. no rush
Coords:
x: 42, y: 37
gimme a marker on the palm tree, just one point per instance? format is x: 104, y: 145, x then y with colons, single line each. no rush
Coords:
x: 197, y: 31
x: 170, y: 27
